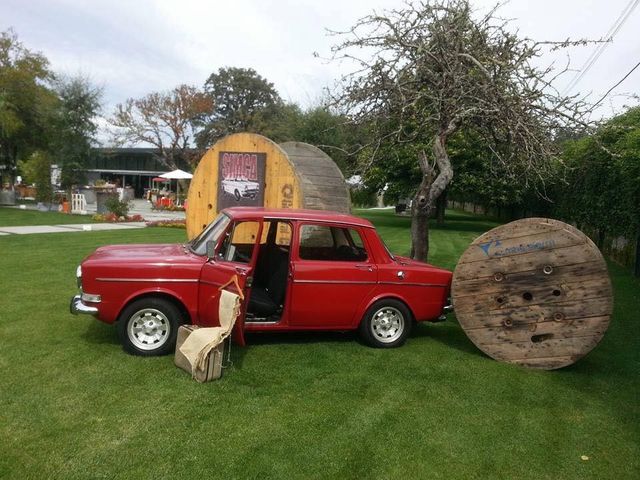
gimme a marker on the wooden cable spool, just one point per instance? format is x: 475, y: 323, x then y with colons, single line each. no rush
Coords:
x: 247, y: 169
x: 534, y: 292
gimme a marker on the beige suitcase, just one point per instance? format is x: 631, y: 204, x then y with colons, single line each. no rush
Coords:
x: 213, y: 365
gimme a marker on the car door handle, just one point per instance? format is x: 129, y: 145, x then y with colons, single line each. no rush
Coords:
x: 365, y: 267
x: 241, y: 271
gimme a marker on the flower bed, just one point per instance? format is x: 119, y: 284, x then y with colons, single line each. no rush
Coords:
x: 168, y: 224
x: 113, y: 218
x: 169, y: 208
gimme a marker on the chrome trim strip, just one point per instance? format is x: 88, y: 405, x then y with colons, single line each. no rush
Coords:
x: 409, y: 284
x: 351, y: 282
x: 412, y: 284
x: 347, y: 223
x: 154, y: 280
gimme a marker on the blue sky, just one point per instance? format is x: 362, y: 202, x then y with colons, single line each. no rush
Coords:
x: 131, y: 48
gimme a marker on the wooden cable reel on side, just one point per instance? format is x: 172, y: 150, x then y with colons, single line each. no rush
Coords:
x: 534, y: 292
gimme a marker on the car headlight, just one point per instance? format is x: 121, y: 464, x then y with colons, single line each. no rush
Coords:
x: 79, y: 276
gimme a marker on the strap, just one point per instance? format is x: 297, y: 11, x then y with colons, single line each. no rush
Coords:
x: 234, y: 280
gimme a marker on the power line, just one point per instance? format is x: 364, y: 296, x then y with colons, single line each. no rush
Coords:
x: 595, y: 55
x: 612, y: 88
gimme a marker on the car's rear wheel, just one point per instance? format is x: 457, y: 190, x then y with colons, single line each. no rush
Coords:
x: 236, y: 194
x: 149, y: 327
x: 386, y: 324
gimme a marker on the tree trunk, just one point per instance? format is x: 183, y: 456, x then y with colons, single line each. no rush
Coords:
x: 601, y: 234
x: 428, y: 192
x: 637, y: 266
x: 441, y: 206
x: 420, y: 215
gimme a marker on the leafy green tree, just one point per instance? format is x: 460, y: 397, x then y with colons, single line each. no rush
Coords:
x: 27, y: 104
x: 284, y: 122
x: 40, y: 165
x: 603, y: 184
x: 331, y: 132
x: 76, y: 127
x: 243, y: 101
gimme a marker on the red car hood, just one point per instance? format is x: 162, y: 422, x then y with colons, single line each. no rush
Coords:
x: 169, y: 252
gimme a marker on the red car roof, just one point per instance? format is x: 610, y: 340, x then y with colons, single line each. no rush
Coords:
x: 296, y: 214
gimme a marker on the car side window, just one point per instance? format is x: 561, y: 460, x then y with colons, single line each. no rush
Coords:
x: 239, y: 243
x: 320, y: 242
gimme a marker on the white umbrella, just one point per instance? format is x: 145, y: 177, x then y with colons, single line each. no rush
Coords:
x: 178, y: 175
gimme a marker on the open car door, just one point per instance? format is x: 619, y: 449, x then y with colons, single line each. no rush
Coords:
x: 230, y: 266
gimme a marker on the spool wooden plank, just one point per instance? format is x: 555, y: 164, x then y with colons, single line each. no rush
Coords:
x: 321, y: 177
x: 534, y: 292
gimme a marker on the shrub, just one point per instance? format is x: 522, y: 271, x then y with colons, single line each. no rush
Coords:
x: 116, y: 206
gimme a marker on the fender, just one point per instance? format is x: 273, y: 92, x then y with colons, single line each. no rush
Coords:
x: 366, y: 304
x: 155, y: 291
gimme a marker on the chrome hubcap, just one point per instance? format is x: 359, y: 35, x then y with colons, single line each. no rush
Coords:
x: 148, y: 329
x: 387, y: 324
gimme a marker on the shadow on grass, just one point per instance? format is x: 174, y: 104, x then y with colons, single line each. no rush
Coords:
x: 288, y: 338
x: 449, y: 334
x: 98, y: 333
x: 269, y: 338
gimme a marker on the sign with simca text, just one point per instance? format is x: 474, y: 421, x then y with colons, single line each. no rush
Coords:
x: 241, y: 179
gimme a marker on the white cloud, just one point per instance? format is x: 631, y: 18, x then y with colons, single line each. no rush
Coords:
x: 134, y: 47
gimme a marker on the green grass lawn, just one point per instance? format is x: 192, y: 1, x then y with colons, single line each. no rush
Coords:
x: 73, y: 405
x: 15, y: 217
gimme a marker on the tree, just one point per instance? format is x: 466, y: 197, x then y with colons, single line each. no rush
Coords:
x: 76, y: 126
x: 40, y: 165
x: 242, y: 101
x: 330, y: 131
x: 603, y: 184
x: 432, y: 68
x: 27, y: 105
x: 166, y: 120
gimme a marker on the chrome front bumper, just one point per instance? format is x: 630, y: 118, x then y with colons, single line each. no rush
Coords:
x: 78, y: 307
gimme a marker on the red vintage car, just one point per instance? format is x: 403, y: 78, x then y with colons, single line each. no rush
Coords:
x: 298, y: 269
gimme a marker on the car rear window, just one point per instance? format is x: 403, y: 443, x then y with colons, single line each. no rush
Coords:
x: 322, y: 242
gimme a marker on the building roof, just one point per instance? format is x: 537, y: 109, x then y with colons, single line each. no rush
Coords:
x: 296, y: 214
x: 125, y: 150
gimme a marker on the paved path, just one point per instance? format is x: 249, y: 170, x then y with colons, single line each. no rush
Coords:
x: 139, y: 207
x: 78, y: 227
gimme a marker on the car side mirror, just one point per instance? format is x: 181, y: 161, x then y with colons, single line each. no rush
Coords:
x: 211, y: 249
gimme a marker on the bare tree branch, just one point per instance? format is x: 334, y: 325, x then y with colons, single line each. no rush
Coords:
x: 433, y: 67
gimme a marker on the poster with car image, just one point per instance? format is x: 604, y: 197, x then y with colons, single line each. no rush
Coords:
x: 241, y: 179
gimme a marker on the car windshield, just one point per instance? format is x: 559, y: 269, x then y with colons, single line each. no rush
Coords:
x: 213, y: 231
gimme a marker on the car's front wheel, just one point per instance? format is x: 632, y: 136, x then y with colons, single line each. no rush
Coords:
x: 149, y: 326
x: 386, y: 324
